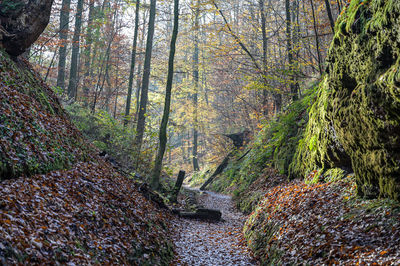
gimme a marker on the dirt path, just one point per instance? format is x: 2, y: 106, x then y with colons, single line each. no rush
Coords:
x: 205, y: 243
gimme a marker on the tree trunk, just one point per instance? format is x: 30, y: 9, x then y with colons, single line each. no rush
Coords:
x: 100, y: 83
x: 50, y: 66
x: 105, y: 63
x: 155, y: 183
x: 196, y: 89
x: 133, y: 59
x: 116, y: 86
x: 329, y: 12
x: 289, y: 48
x: 64, y: 28
x: 140, y: 69
x: 146, y: 78
x: 73, y: 73
x: 87, y: 53
x: 296, y: 41
x: 202, y: 214
x: 339, y: 6
x: 316, y: 38
x: 217, y: 171
x: 22, y: 22
x: 264, y: 54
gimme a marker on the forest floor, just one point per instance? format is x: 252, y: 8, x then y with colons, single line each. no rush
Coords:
x: 212, y: 243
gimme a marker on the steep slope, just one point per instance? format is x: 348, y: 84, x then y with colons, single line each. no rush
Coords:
x: 36, y: 135
x: 65, y: 204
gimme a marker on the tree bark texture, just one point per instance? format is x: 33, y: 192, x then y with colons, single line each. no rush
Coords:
x: 264, y: 53
x: 329, y: 12
x: 316, y: 37
x: 289, y: 47
x: 88, y: 52
x: 178, y: 184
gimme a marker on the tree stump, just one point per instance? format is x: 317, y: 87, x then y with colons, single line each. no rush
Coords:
x: 178, y: 185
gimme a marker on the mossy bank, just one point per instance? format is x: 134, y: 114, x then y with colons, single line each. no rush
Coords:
x: 355, y: 121
x: 36, y: 135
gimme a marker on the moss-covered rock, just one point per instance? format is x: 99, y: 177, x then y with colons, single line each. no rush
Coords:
x: 357, y: 112
x: 319, y: 148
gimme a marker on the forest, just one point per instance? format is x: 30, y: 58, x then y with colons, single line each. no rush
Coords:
x: 199, y: 132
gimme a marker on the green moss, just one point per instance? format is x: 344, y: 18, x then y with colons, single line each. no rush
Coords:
x: 259, y: 234
x: 334, y: 174
x: 100, y: 145
x: 319, y: 149
x: 356, y: 116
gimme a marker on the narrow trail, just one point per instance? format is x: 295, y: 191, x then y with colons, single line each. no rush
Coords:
x: 208, y: 243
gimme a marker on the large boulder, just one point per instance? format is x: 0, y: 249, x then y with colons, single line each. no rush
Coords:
x: 357, y: 113
x: 22, y: 22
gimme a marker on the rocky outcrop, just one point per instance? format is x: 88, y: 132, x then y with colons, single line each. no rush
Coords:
x: 22, y: 22
x: 356, y: 119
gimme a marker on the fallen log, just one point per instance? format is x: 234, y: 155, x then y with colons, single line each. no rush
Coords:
x: 217, y: 171
x: 202, y: 214
x: 239, y: 139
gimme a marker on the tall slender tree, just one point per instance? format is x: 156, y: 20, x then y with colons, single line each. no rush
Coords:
x: 87, y: 52
x: 146, y: 78
x: 64, y: 29
x: 261, y: 4
x: 289, y: 48
x: 155, y: 183
x: 195, y: 155
x: 133, y: 60
x: 73, y: 73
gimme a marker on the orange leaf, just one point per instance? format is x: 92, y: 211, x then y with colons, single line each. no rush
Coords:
x: 383, y: 252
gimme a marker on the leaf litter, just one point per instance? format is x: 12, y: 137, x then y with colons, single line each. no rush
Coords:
x: 86, y: 215
x: 323, y: 224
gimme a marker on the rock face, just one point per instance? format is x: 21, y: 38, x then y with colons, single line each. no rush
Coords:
x: 357, y: 113
x: 22, y: 22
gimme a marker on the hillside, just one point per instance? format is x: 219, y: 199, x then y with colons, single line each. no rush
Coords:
x: 59, y: 201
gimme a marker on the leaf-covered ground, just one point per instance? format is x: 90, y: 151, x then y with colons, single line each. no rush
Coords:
x: 60, y: 202
x: 36, y: 135
x: 206, y: 243
x: 325, y: 223
x: 85, y: 215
